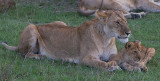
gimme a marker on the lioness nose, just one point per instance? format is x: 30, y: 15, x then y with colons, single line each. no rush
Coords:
x: 128, y: 33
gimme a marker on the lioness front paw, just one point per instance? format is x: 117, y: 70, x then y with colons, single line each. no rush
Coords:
x: 143, y: 14
x: 135, y: 15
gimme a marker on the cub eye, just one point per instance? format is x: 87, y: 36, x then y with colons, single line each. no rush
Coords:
x: 103, y: 18
x: 135, y: 52
x: 117, y: 22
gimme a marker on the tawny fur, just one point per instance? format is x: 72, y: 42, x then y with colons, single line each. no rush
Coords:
x: 134, y: 56
x: 84, y: 44
x: 88, y: 7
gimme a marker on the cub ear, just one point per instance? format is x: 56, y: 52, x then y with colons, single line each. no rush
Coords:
x: 138, y: 42
x: 129, y: 45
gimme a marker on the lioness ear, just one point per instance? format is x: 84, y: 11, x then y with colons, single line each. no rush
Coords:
x: 100, y: 14
x: 128, y: 45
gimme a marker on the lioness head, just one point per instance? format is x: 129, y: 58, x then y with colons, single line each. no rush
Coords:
x: 115, y: 24
x: 133, y: 50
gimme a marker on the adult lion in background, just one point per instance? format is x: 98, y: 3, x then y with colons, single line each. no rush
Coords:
x: 88, y: 7
x: 7, y: 4
x: 85, y: 44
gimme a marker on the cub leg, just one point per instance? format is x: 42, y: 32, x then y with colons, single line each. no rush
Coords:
x: 148, y: 56
x: 94, y: 62
x: 129, y: 67
x: 139, y: 65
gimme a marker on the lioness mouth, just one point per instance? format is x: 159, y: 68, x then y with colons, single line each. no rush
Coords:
x: 122, y: 37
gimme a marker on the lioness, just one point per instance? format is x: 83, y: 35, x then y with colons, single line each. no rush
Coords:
x: 134, y: 56
x: 84, y: 44
x: 88, y: 7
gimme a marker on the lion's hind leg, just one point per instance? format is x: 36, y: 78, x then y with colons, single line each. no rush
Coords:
x: 29, y: 44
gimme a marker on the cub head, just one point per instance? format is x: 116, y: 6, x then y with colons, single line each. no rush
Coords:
x: 115, y: 24
x: 134, y: 50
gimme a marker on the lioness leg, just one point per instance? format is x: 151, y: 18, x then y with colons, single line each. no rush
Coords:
x: 94, y: 62
x: 150, y: 6
x: 134, y: 15
x: 31, y: 55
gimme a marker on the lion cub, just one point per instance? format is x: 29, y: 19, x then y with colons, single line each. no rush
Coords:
x: 134, y: 56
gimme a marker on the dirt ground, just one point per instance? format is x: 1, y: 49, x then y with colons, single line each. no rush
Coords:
x: 57, y: 5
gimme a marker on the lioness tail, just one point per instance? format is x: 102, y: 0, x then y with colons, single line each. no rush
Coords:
x: 9, y: 47
x: 85, y: 12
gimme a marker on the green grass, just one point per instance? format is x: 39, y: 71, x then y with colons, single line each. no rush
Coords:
x: 13, y: 67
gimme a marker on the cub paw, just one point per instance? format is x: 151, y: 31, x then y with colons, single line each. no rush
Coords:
x: 112, y: 66
x: 144, y: 69
x: 137, y: 69
x: 131, y: 68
